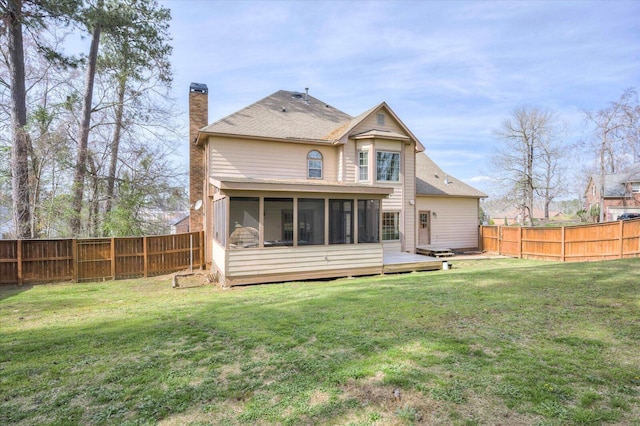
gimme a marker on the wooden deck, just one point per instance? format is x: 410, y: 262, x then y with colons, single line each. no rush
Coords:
x: 407, y: 262
x: 434, y: 251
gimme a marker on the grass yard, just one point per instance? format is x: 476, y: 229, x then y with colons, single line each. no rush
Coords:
x: 508, y: 341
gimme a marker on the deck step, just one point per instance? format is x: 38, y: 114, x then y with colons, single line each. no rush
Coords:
x: 434, y: 251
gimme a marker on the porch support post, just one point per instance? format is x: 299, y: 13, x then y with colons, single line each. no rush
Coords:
x: 326, y: 221
x: 295, y: 221
x: 261, y: 222
x: 355, y: 221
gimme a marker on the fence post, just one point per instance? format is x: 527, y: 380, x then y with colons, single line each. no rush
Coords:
x: 562, y: 249
x: 621, y: 230
x: 19, y: 261
x: 74, y: 258
x: 113, y: 258
x: 202, y: 245
x: 520, y: 243
x: 145, y: 256
x: 499, y: 238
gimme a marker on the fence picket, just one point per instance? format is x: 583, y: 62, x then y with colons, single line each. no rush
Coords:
x: 580, y: 243
x: 92, y: 259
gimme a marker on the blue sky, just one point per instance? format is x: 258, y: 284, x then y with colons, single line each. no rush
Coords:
x: 451, y: 70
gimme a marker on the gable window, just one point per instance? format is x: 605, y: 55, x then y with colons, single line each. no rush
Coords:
x: 314, y: 165
x: 363, y: 165
x: 380, y: 119
x: 390, y: 226
x: 387, y: 166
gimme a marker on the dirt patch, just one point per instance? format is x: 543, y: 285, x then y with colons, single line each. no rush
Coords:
x: 191, y: 279
x: 395, y: 406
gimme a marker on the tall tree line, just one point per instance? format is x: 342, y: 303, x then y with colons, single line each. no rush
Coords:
x: 87, y: 149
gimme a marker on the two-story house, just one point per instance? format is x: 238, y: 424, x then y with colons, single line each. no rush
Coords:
x: 290, y: 187
x: 621, y: 193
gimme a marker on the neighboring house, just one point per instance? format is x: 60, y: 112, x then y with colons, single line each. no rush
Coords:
x: 448, y: 210
x: 293, y: 188
x: 621, y: 193
x: 180, y: 226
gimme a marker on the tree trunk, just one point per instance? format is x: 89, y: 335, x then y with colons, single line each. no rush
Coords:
x: 80, y: 168
x: 20, y: 138
x: 115, y: 146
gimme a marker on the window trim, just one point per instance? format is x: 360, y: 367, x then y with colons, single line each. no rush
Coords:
x: 396, y: 226
x: 313, y: 158
x: 361, y: 167
x: 378, y: 173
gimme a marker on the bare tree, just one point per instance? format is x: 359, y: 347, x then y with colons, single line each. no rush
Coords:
x: 614, y: 137
x: 527, y: 137
x: 551, y: 167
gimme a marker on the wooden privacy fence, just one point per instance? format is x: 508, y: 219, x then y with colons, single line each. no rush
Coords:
x: 98, y: 259
x: 611, y: 240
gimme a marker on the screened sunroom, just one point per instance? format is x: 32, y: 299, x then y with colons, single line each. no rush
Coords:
x: 269, y: 230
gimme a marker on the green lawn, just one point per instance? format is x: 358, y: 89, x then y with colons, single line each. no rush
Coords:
x: 508, y: 341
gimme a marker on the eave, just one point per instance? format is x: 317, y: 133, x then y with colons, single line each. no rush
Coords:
x: 205, y: 135
x: 298, y: 186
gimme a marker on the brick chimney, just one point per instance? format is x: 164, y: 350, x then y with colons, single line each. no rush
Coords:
x: 198, y: 118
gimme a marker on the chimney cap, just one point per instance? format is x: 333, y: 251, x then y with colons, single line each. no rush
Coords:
x: 199, y: 87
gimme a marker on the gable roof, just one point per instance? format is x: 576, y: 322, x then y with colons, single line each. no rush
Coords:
x: 615, y: 183
x: 347, y: 129
x: 432, y: 181
x: 295, y: 116
x: 283, y: 115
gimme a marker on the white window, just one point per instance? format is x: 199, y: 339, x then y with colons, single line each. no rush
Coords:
x: 388, y: 166
x: 635, y: 187
x: 363, y: 165
x: 390, y: 226
x: 314, y: 165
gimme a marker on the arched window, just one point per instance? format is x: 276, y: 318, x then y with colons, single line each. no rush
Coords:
x: 314, y: 165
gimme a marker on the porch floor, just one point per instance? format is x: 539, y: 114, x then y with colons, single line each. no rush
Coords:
x: 407, y: 262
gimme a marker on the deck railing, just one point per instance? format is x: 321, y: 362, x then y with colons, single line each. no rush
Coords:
x: 611, y: 240
x: 98, y: 259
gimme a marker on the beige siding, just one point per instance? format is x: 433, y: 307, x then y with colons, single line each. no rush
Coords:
x: 270, y: 160
x: 409, y: 196
x: 385, y: 145
x: 218, y: 257
x: 372, y: 123
x: 455, y: 224
x: 297, y: 260
x: 394, y: 202
x: 392, y: 246
x: 350, y: 161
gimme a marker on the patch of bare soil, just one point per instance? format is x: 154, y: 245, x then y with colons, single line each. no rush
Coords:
x: 191, y: 279
x: 395, y: 406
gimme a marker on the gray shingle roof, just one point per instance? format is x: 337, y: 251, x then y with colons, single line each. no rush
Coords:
x: 431, y: 180
x: 615, y: 183
x: 283, y: 115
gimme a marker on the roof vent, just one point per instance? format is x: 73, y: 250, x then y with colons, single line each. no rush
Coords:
x: 198, y: 87
x: 296, y: 95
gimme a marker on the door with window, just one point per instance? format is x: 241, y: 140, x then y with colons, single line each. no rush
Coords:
x: 424, y: 228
